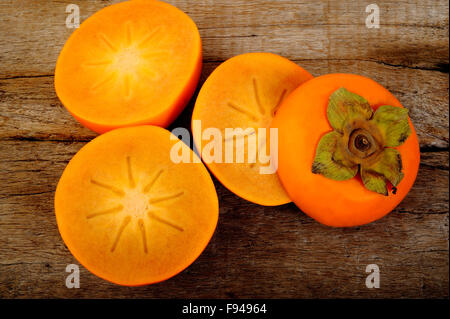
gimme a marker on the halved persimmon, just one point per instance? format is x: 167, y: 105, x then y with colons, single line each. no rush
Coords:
x: 128, y: 213
x: 135, y: 62
x: 348, y: 153
x: 244, y: 93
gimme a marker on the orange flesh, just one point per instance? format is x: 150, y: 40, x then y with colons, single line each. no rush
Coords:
x: 243, y: 92
x: 301, y: 122
x: 128, y: 213
x: 136, y: 62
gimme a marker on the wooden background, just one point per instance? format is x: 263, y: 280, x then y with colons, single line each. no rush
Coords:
x: 256, y: 251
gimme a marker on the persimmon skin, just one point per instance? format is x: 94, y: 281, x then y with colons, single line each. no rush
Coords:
x: 301, y: 121
x: 161, y: 84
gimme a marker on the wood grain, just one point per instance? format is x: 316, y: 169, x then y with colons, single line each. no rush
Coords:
x: 413, y: 34
x: 257, y: 251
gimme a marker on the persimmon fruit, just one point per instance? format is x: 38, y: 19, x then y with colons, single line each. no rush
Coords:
x: 348, y: 152
x: 244, y: 92
x: 128, y: 213
x: 131, y: 63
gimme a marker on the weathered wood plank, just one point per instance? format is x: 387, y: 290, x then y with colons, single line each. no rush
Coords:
x: 411, y: 34
x: 234, y: 268
x: 307, y: 259
x: 29, y: 107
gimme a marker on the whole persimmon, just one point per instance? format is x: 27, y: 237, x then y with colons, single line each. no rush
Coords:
x: 348, y: 152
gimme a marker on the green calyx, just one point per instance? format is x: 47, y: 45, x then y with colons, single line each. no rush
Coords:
x: 362, y: 141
